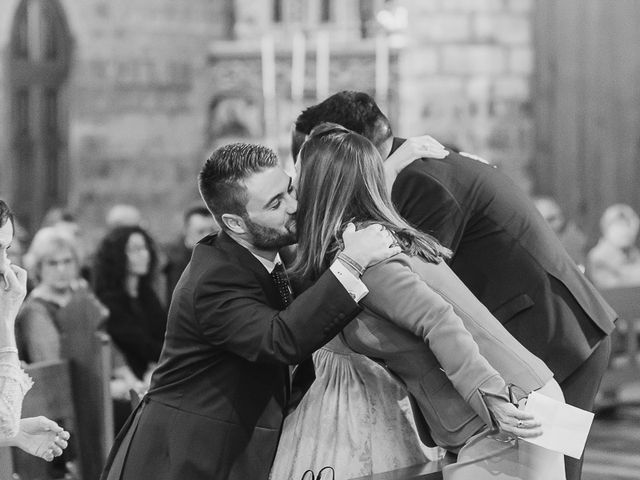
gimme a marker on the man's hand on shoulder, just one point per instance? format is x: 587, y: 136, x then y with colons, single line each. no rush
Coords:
x: 369, y: 245
x: 412, y: 149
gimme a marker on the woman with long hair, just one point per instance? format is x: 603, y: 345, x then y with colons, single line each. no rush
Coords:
x: 124, y: 269
x: 421, y: 322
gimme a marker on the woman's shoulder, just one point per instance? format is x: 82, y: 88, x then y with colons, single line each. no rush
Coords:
x: 403, y: 260
x: 36, y: 305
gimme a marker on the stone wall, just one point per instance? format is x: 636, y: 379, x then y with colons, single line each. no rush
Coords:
x: 155, y: 84
x: 465, y: 77
x: 137, y: 115
x: 7, y: 11
x: 235, y: 79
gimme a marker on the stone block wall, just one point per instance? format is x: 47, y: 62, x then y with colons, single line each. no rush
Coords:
x: 136, y: 113
x: 465, y: 77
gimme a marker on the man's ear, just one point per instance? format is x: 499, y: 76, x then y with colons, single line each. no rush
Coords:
x: 234, y: 223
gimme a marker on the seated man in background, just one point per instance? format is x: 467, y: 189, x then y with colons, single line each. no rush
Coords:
x: 570, y: 235
x: 198, y: 223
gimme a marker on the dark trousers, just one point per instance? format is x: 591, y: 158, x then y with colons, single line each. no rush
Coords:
x: 580, y: 389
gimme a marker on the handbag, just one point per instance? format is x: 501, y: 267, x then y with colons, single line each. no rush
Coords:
x: 323, y: 474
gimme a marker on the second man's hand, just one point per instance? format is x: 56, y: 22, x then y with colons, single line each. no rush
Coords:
x: 369, y: 245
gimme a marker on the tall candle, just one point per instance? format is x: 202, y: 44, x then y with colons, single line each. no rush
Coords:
x: 269, y: 87
x: 322, y: 65
x: 382, y: 70
x: 298, y: 60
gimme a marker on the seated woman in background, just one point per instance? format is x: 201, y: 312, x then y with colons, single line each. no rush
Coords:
x: 124, y: 266
x: 38, y: 436
x: 615, y: 260
x: 53, y: 264
x: 420, y: 320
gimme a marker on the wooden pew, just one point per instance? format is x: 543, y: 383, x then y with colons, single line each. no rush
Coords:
x: 624, y: 369
x: 89, y: 353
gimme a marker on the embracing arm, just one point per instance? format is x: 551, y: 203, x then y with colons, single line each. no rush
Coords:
x: 230, y: 306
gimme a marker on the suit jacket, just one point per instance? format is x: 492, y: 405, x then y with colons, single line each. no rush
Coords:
x: 218, y: 396
x: 430, y: 330
x: 506, y: 254
x: 178, y: 256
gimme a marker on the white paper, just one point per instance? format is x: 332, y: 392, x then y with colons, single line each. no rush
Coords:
x: 565, y: 427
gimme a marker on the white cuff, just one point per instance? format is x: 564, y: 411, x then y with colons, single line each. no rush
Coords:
x: 349, y: 281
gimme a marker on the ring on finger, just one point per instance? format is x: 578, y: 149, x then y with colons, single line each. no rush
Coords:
x: 520, y: 424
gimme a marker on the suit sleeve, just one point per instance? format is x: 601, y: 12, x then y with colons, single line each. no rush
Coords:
x: 399, y: 295
x: 231, y: 309
x: 427, y: 205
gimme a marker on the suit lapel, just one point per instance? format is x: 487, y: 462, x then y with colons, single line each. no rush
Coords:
x: 245, y: 258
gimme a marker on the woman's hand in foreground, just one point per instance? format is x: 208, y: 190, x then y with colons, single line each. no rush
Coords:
x: 41, y: 437
x: 512, y: 420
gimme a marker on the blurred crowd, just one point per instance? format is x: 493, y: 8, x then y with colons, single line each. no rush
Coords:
x: 127, y: 277
x: 613, y: 259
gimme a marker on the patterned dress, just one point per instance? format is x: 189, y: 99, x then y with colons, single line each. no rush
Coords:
x: 14, y: 384
x: 355, y: 417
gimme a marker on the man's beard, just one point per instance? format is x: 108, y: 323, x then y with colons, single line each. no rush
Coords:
x: 266, y: 238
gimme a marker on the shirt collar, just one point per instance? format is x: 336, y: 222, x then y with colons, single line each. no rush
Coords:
x: 268, y: 264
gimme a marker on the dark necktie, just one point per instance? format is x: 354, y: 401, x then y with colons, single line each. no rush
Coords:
x: 281, y: 281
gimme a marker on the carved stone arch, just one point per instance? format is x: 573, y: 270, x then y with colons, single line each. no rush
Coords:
x: 39, y: 58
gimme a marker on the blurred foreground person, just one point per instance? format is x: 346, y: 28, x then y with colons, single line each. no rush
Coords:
x: 37, y: 436
x: 615, y: 260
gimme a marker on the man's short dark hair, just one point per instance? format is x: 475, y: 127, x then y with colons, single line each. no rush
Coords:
x: 356, y: 111
x: 195, y: 210
x: 220, y: 179
x: 6, y: 215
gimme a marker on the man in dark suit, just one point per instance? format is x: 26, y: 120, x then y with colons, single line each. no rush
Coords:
x: 222, y: 386
x: 503, y: 250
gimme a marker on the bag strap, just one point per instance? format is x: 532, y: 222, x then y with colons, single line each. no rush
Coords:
x: 321, y: 475
x: 305, y: 477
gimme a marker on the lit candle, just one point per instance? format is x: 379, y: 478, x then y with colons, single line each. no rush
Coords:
x: 269, y: 87
x: 382, y: 70
x: 268, y: 67
x: 298, y: 60
x: 322, y: 65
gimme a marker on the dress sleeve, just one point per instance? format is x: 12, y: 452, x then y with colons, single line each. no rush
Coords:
x: 398, y: 294
x: 14, y: 384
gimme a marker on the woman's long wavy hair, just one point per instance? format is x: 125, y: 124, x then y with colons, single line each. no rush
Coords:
x: 342, y: 181
x: 110, y: 263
